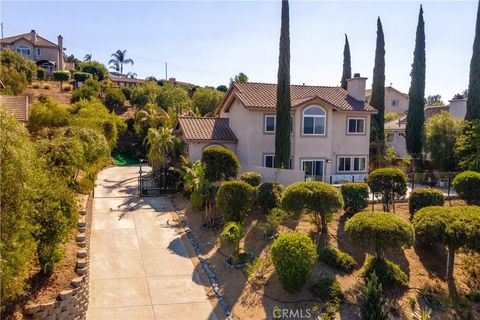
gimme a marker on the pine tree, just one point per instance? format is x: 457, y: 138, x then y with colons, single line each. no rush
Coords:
x: 378, y: 88
x: 473, y: 102
x: 347, y: 64
x: 415, y: 118
x: 282, y: 133
x: 372, y: 304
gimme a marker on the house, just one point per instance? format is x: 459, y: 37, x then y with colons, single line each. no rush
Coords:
x: 330, y: 128
x: 395, y: 129
x: 122, y: 81
x: 395, y: 100
x: 45, y: 53
x: 16, y: 105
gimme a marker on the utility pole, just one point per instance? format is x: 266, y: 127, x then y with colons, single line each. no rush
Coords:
x: 2, y: 29
x: 166, y: 71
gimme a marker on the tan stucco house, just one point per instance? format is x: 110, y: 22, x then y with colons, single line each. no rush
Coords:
x: 395, y: 100
x: 45, y: 53
x: 330, y: 128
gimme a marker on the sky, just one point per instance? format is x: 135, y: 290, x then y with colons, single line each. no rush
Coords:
x: 207, y: 42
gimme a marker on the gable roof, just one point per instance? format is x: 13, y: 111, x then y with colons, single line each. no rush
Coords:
x: 264, y: 95
x: 37, y: 41
x: 206, y: 129
x: 17, y: 105
x: 368, y: 92
x: 401, y: 123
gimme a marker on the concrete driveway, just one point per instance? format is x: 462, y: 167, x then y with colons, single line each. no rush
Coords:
x: 140, y: 267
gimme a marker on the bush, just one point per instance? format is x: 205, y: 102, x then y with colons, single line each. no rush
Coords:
x: 467, y: 185
x: 67, y: 88
x: 424, y: 197
x: 48, y: 114
x: 389, y: 274
x: 96, y: 69
x: 372, y: 302
x: 252, y: 178
x: 81, y: 76
x: 114, y: 99
x: 327, y: 289
x: 40, y: 74
x: 269, y: 196
x: 391, y: 183
x: 220, y: 163
x: 16, y: 71
x: 293, y: 255
x: 88, y: 91
x: 46, y: 86
x: 337, y: 259
x: 36, y: 85
x: 355, y: 197
x: 235, y: 199
x: 61, y: 76
x: 127, y: 92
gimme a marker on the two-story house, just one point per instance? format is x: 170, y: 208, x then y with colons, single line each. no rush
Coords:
x: 395, y: 100
x: 330, y: 128
x: 45, y: 53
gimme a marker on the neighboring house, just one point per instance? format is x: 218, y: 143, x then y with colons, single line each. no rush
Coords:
x: 395, y: 100
x: 330, y: 128
x: 16, y: 105
x: 45, y: 53
x: 122, y: 81
x: 395, y: 129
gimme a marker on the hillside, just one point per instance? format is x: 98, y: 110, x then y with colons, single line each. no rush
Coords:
x: 54, y: 92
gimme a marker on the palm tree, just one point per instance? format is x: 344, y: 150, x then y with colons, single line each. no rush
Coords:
x: 120, y: 58
x: 115, y: 66
x: 151, y: 116
x: 132, y: 75
x: 88, y: 57
x: 160, y: 143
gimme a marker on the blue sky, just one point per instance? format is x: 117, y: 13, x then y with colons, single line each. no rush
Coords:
x: 208, y: 42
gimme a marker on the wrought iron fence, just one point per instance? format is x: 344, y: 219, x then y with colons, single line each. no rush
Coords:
x: 159, y: 181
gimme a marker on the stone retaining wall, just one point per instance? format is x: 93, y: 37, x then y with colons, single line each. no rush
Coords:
x: 71, y: 304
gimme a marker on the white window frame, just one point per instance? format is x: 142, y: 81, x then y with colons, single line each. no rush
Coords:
x: 315, y: 117
x: 302, y: 165
x: 20, y: 49
x: 274, y: 123
x: 356, y: 125
x: 352, y: 163
x: 395, y: 103
x: 38, y: 52
x: 273, y: 161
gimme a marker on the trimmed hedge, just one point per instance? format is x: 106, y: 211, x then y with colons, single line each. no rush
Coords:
x: 391, y: 183
x: 355, y: 197
x: 337, y: 259
x: 389, y: 274
x: 81, y: 76
x: 235, y: 199
x: 220, y: 163
x: 269, y: 196
x: 424, y: 197
x: 293, y: 256
x: 328, y: 289
x: 252, y: 178
x: 61, y: 76
x: 467, y: 185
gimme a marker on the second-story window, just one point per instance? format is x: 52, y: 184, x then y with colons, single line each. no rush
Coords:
x: 270, y: 123
x: 37, y: 51
x: 314, y: 121
x: 395, y: 103
x: 24, y: 50
x: 356, y: 125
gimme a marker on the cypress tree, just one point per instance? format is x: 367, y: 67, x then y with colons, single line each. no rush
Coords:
x: 415, y: 118
x: 378, y: 88
x: 282, y: 133
x: 347, y: 64
x: 473, y: 102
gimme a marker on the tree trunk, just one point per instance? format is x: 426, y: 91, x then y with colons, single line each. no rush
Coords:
x: 450, y: 263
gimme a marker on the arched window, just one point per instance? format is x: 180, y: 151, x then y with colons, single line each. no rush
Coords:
x: 24, y: 50
x: 314, y: 121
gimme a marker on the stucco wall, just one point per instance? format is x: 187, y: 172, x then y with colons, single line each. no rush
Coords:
x: 399, y: 144
x: 50, y: 54
x: 391, y: 94
x: 285, y: 177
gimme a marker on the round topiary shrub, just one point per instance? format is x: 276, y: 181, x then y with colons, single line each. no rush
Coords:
x: 390, y: 183
x: 235, y: 199
x: 114, y: 99
x: 46, y: 86
x: 220, y: 163
x: 467, y: 185
x: 389, y: 274
x: 355, y: 197
x: 269, y: 196
x: 424, y: 197
x: 337, y: 259
x: 327, y: 289
x: 293, y: 256
x: 252, y: 178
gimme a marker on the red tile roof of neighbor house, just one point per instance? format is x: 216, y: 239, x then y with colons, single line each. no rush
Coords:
x: 37, y: 41
x: 206, y: 129
x: 264, y: 95
x: 17, y: 105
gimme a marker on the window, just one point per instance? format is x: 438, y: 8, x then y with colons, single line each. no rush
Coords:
x: 356, y: 125
x: 269, y: 161
x: 37, y: 51
x: 352, y: 164
x: 270, y: 123
x: 24, y: 50
x: 395, y: 103
x: 314, y: 121
x: 313, y: 169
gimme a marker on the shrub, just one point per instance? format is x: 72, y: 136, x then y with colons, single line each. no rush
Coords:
x: 98, y: 70
x: 317, y: 198
x: 127, y: 92
x: 40, y: 74
x: 48, y: 114
x: 114, y: 99
x: 269, y: 196
x: 16, y: 71
x: 337, y: 259
x: 293, y: 255
x: 355, y: 197
x: 61, y: 76
x: 88, y: 91
x: 389, y: 274
x: 391, y: 183
x: 424, y: 197
x: 467, y: 185
x: 327, y: 289
x: 46, y: 86
x: 67, y: 88
x: 36, y: 85
x: 81, y: 76
x: 372, y: 301
x: 196, y: 200
x: 252, y: 178
x: 235, y: 199
x: 233, y: 233
x: 220, y: 163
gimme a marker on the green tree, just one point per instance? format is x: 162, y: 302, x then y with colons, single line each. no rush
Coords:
x: 372, y: 302
x: 347, y: 64
x: 390, y: 183
x: 88, y: 57
x: 473, y: 102
x: 145, y: 93
x: 120, y: 58
x: 235, y: 199
x: 173, y: 97
x: 434, y: 100
x: 222, y: 88
x: 114, y: 99
x: 468, y: 147
x: 48, y: 114
x: 160, y: 143
x: 220, y: 163
x: 206, y: 100
x: 414, y: 132
x: 61, y: 76
x: 88, y: 91
x: 151, y: 116
x: 16, y: 71
x: 378, y: 92
x: 241, y: 78
x: 95, y: 68
x: 233, y: 233
x: 284, y: 103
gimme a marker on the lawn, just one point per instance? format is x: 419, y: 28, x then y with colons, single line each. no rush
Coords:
x: 123, y: 160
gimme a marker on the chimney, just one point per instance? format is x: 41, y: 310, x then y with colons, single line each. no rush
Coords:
x: 61, y: 61
x: 458, y: 108
x: 356, y: 87
x: 33, y: 36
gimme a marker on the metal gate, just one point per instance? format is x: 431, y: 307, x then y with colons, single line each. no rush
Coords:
x: 159, y: 181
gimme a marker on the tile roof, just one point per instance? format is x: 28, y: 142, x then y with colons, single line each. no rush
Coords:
x: 264, y: 95
x: 206, y: 129
x: 368, y: 92
x: 39, y: 41
x: 17, y: 105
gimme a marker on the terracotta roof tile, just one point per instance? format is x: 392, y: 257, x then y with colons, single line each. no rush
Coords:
x: 39, y: 41
x: 17, y: 105
x: 206, y: 129
x: 264, y: 95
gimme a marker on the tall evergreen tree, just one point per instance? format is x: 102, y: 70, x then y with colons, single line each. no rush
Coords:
x: 473, y: 102
x: 282, y: 133
x: 347, y: 64
x: 415, y: 118
x: 378, y: 88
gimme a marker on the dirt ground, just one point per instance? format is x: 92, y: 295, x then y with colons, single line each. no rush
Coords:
x: 256, y: 296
